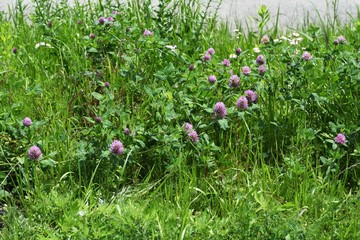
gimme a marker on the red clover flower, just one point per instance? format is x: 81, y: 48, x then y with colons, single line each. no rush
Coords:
x: 246, y: 70
x: 27, y: 122
x: 212, y: 79
x: 242, y: 103
x: 211, y: 51
x: 117, y: 147
x: 340, y: 139
x: 220, y: 110
x: 34, y: 153
x: 234, y: 81
x: 306, y: 56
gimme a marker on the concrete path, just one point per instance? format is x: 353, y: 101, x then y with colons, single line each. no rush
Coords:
x: 293, y: 12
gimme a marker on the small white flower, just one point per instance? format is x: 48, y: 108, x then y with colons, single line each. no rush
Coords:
x: 236, y: 30
x: 81, y: 213
x: 172, y: 48
x: 256, y: 50
x: 233, y: 56
x: 284, y: 38
x: 293, y: 42
x: 299, y: 39
x: 42, y: 44
x: 295, y: 34
x: 276, y: 40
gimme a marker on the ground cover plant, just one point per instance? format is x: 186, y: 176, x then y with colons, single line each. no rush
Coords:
x: 123, y: 121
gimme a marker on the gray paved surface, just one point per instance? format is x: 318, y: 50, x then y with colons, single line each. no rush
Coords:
x: 292, y: 11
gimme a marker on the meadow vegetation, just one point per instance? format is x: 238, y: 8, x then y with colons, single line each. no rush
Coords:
x: 123, y: 121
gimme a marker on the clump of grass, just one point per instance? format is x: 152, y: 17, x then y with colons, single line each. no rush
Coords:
x: 160, y: 123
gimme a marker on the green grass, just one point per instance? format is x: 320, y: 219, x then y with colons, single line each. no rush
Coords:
x: 270, y: 171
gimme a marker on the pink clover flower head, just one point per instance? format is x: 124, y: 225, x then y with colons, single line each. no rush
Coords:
x: 246, y: 70
x: 211, y: 51
x: 340, y: 40
x: 226, y: 62
x: 238, y: 51
x: 187, y: 127
x: 117, y: 147
x: 193, y: 136
x: 127, y: 131
x: 220, y: 110
x: 251, y: 96
x: 107, y: 84
x: 260, y: 60
x: 340, y: 139
x: 234, y: 81
x: 92, y: 36
x: 148, y: 33
x: 191, y: 67
x: 98, y: 119
x: 242, y: 103
x: 110, y: 19
x: 116, y: 12
x: 306, y: 56
x: 206, y: 57
x: 265, y: 39
x: 14, y: 50
x: 102, y: 20
x: 212, y: 79
x: 27, y: 122
x: 262, y: 69
x: 34, y: 153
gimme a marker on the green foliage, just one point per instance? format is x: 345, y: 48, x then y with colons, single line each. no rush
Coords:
x: 273, y: 170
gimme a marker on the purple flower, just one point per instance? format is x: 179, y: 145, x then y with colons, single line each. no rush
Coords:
x: 262, y: 69
x: 98, y: 119
x: 220, y: 110
x: 251, y: 96
x: 211, y: 51
x: 206, y: 57
x: 127, y: 131
x: 306, y: 56
x: 265, y: 39
x: 187, y: 127
x: 14, y: 50
x: 102, y: 20
x: 242, y: 103
x: 226, y: 62
x: 340, y: 139
x: 212, y: 79
x: 34, y: 153
x: 117, y: 147
x: 234, y: 81
x: 92, y: 36
x: 191, y: 67
x: 107, y: 84
x: 148, y: 33
x: 246, y: 70
x: 260, y: 60
x: 116, y: 12
x: 49, y: 24
x: 27, y: 122
x: 193, y: 136
x: 341, y: 39
x: 110, y: 19
x: 238, y: 51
